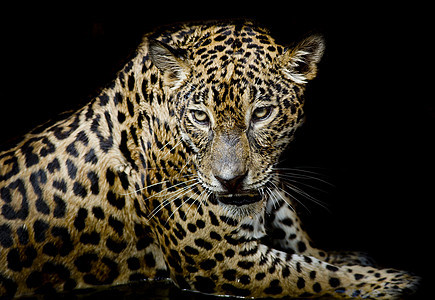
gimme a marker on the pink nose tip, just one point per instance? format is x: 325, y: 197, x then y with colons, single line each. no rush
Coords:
x: 233, y: 184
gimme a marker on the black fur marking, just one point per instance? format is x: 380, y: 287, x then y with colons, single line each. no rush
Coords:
x: 39, y: 229
x: 334, y: 282
x: 30, y: 157
x: 125, y: 151
x: 67, y: 245
x: 104, y: 99
x: 204, y: 284
x: 72, y: 169
x: 260, y: 276
x: 98, y: 212
x: 203, y: 244
x: 123, y: 177
x: 83, y: 263
x: 79, y: 190
x: 92, y: 238
x: 301, y: 246
x: 149, y: 260
x: 230, y: 275
x: 118, y: 202
x: 37, y: 178
x: 244, y: 264
x: 213, y: 219
x: 7, y: 210
x: 133, y: 263
x: 60, y: 209
x: 300, y: 283
x: 93, y: 178
x: 131, y: 82
x: 117, y: 99
x: 5, y: 236
x: 60, y: 185
x: 317, y: 288
x: 117, y: 225
x: 23, y: 235
x: 245, y: 279
x: 13, y: 170
x: 105, y: 143
x: 91, y: 157
x: 80, y: 219
x: 50, y: 148
x: 61, y: 135
x: 115, y: 246
x: 16, y: 261
x: 9, y: 287
x: 191, y: 250
x: 332, y: 268
x: 110, y: 177
x: 285, y: 272
x: 72, y: 150
x: 207, y: 264
x: 274, y: 288
x: 53, y: 166
x: 121, y: 117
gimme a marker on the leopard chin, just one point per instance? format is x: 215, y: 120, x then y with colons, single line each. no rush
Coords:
x: 239, y: 199
x: 241, y: 206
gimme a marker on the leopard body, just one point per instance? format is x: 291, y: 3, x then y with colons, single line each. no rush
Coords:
x: 170, y: 172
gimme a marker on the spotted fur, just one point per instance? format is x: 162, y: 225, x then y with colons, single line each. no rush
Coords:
x: 170, y: 173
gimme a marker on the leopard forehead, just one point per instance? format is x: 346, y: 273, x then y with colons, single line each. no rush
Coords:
x: 231, y: 67
x: 232, y: 53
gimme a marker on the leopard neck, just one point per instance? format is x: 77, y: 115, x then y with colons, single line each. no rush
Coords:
x: 131, y: 111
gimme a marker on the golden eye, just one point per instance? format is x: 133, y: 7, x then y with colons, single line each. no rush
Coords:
x: 261, y: 113
x: 200, y: 117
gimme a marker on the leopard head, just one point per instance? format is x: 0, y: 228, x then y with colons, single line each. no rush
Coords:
x: 238, y: 99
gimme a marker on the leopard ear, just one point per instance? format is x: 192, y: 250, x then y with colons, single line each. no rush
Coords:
x: 299, y: 63
x: 170, y: 62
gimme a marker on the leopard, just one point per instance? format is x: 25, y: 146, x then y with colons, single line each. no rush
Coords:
x: 171, y: 173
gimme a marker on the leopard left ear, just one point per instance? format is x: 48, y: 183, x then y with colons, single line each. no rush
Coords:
x: 170, y: 62
x: 299, y: 63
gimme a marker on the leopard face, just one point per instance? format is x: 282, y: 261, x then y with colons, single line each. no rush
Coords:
x: 239, y: 101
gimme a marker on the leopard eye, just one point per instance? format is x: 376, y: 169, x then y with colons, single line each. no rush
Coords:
x: 200, y: 117
x: 261, y: 113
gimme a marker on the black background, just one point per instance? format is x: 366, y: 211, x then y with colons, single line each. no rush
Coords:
x: 370, y: 116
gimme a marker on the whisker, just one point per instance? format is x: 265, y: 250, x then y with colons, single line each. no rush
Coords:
x: 283, y: 198
x: 169, y: 151
x: 293, y: 181
x: 171, y: 186
x: 171, y: 199
x: 145, y: 187
x: 304, y: 194
x: 199, y: 200
x: 277, y: 188
x: 163, y: 147
x: 305, y: 174
x: 185, y: 165
x: 154, y: 184
x: 204, y: 194
x: 271, y: 196
x: 182, y: 203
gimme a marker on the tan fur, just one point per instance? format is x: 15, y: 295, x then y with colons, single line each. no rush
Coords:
x: 133, y: 186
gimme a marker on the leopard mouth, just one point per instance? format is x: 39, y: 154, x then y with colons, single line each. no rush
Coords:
x: 240, y: 198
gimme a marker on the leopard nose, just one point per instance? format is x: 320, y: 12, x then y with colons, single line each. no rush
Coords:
x: 233, y: 184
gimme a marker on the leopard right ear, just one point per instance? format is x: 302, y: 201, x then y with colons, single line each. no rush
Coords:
x: 172, y: 63
x: 299, y: 63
